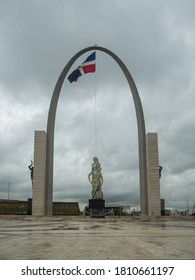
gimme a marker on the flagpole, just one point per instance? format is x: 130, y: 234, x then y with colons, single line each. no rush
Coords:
x: 95, y: 109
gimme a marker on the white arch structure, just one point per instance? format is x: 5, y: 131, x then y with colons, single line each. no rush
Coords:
x: 49, y: 136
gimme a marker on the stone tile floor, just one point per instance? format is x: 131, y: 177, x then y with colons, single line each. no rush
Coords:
x: 78, y: 238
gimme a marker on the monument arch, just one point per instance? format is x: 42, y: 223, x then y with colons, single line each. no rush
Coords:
x: 48, y: 137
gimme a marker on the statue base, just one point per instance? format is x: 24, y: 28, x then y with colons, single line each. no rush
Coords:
x: 96, y: 203
x: 97, y: 207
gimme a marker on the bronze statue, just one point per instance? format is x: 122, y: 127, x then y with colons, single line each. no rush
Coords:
x: 160, y: 171
x: 31, y: 170
x: 97, y: 179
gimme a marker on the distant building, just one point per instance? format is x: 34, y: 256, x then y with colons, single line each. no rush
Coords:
x: 162, y: 207
x: 18, y: 207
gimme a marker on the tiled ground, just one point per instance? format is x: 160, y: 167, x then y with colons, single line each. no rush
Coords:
x: 85, y: 238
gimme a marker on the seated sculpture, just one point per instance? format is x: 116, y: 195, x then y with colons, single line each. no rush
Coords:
x: 96, y: 179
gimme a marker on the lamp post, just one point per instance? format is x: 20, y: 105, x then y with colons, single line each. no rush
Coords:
x: 9, y: 189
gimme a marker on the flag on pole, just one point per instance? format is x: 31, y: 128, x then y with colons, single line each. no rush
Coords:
x: 88, y: 66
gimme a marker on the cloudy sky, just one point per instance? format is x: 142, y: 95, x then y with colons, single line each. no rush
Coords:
x: 156, y: 41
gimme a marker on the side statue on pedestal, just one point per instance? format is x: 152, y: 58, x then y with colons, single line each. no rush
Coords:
x: 97, y: 179
x: 31, y: 167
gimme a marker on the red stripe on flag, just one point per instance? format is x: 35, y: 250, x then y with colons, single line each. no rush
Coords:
x: 88, y: 68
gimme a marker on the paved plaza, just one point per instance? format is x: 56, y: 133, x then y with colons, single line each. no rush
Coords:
x: 79, y: 238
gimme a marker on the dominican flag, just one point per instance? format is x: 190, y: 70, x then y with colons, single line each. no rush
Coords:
x: 88, y: 66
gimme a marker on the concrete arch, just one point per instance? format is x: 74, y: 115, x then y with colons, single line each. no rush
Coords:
x: 140, y: 126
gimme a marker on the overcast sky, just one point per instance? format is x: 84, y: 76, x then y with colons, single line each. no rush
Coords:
x: 156, y: 41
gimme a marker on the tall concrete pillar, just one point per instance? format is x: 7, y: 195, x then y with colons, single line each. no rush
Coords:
x: 153, y: 174
x: 39, y: 171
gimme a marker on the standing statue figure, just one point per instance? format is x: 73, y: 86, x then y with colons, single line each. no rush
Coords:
x: 160, y: 171
x: 31, y: 170
x: 97, y: 179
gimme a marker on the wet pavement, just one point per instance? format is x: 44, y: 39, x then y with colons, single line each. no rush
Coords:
x: 78, y: 238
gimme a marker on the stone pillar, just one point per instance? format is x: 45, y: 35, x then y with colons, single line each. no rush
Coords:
x: 39, y: 171
x: 153, y: 175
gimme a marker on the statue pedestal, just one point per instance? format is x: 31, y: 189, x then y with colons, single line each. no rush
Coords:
x: 96, y: 203
x: 97, y: 207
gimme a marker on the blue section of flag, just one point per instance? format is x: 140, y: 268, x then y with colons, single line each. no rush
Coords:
x: 90, y: 58
x: 73, y: 77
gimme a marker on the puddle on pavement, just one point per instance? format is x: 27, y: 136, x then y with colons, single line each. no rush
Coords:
x: 115, y: 228
x: 71, y: 228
